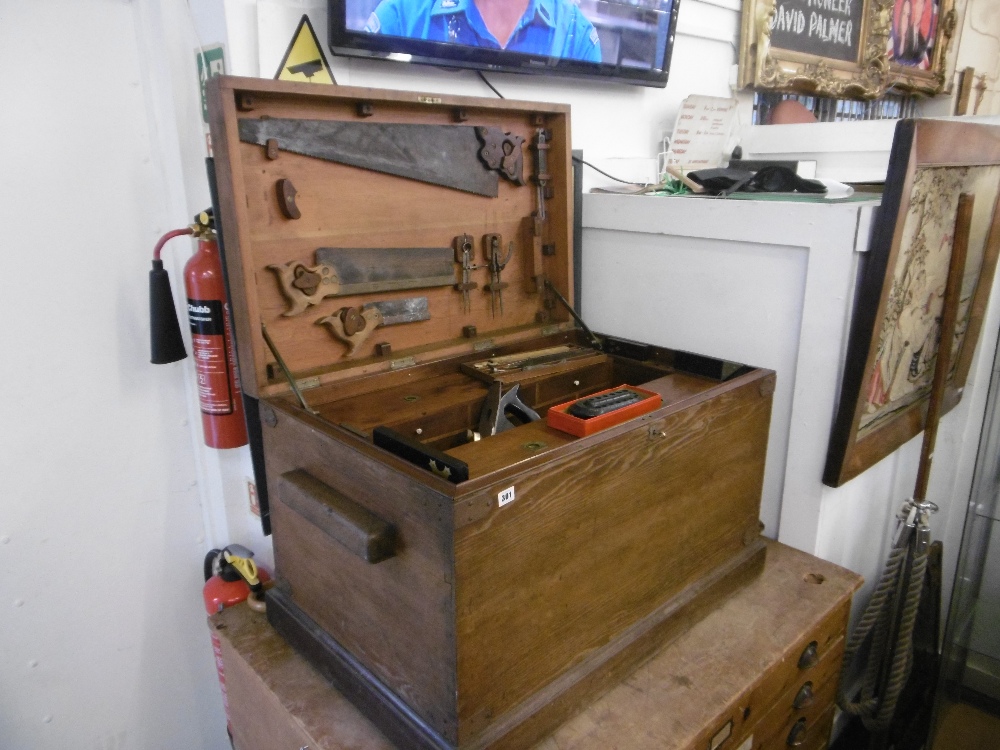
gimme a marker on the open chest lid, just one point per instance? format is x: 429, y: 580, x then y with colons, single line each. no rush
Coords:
x: 367, y: 230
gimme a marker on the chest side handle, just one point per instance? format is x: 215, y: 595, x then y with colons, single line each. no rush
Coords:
x: 355, y: 527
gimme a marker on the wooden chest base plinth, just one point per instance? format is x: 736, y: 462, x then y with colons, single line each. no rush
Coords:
x: 540, y: 713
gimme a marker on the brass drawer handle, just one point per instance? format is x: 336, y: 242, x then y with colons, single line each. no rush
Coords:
x: 809, y: 656
x: 343, y: 520
x: 805, y: 697
x: 797, y: 735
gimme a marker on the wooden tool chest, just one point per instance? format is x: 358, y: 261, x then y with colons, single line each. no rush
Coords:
x: 731, y: 681
x: 399, y: 268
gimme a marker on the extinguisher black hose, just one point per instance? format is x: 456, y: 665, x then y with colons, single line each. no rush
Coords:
x: 210, y: 559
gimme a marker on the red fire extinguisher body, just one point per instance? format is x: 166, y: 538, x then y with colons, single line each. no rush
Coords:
x: 219, y: 391
x: 219, y: 593
x: 227, y: 589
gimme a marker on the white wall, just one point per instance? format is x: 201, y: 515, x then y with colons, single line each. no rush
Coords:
x: 108, y: 502
x: 980, y: 49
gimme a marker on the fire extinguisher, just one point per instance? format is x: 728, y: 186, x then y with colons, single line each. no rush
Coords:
x: 231, y: 577
x: 219, y: 392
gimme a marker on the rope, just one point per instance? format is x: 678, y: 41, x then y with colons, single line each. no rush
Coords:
x: 883, y: 684
x: 903, y: 658
x: 875, y: 614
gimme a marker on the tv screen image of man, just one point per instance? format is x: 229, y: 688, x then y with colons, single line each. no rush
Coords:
x: 550, y: 28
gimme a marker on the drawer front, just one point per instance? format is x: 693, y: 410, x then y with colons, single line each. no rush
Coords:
x: 806, y: 698
x: 754, y: 724
x: 814, y: 658
x: 568, y: 385
x: 784, y: 723
x: 810, y: 732
x: 803, y: 679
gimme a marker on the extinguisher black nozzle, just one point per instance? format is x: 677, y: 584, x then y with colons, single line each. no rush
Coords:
x: 165, y: 341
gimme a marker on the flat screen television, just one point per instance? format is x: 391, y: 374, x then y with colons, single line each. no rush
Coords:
x: 622, y: 40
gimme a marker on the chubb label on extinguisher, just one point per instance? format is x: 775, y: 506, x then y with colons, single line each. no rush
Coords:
x: 208, y: 340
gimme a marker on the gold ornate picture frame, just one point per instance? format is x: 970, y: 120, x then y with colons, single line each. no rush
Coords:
x: 856, y: 49
x: 835, y: 49
x: 920, y: 33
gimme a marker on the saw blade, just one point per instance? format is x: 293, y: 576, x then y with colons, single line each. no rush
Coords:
x: 446, y: 155
x: 366, y: 270
x: 397, y: 311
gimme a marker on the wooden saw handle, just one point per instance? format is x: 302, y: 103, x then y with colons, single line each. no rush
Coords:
x: 304, y: 285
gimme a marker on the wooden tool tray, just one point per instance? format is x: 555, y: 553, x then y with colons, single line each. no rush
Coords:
x: 471, y: 609
x: 440, y: 404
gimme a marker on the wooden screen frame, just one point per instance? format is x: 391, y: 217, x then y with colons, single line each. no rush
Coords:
x: 917, y: 144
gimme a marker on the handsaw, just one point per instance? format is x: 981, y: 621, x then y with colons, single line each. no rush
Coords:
x: 446, y: 155
x: 343, y: 271
x: 353, y: 326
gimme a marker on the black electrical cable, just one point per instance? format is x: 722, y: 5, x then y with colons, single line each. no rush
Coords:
x: 492, y: 87
x: 609, y: 176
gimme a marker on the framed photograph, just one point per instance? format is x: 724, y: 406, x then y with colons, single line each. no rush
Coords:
x: 917, y: 47
x: 835, y: 48
x: 893, y: 342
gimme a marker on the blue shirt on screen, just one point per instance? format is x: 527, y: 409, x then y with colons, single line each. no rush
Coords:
x: 552, y: 28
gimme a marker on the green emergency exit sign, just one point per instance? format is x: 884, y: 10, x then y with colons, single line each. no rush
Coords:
x: 211, y: 62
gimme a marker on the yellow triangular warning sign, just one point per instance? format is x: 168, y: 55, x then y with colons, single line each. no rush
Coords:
x: 304, y: 60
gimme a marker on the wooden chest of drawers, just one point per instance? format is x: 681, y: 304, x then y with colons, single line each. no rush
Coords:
x: 792, y: 703
x: 757, y: 672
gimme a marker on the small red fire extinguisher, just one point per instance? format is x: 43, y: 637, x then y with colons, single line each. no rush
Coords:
x: 231, y: 577
x: 219, y: 391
